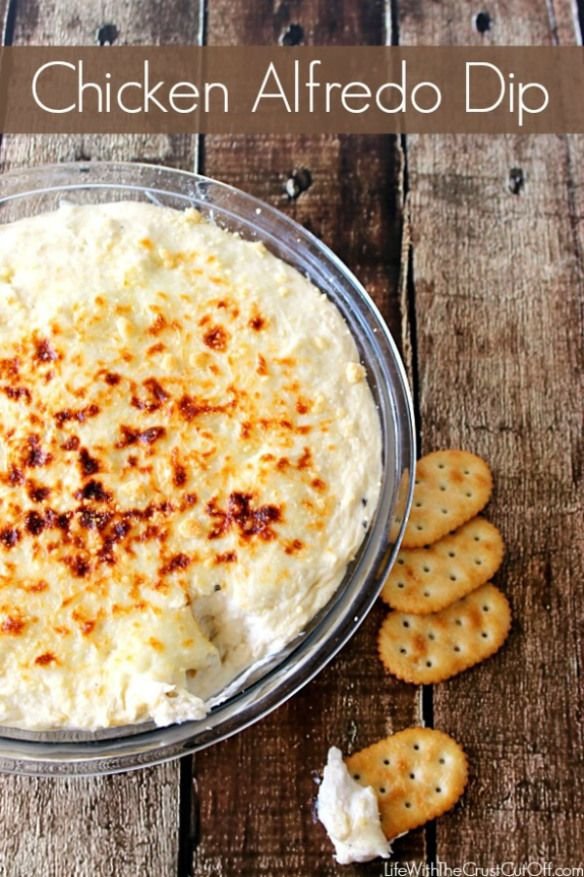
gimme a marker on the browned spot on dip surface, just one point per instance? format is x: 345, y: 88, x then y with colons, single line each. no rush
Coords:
x: 34, y: 455
x: 180, y: 475
x: 249, y: 520
x: 80, y: 415
x: 178, y: 562
x: 9, y: 536
x: 88, y: 464
x: 45, y: 659
x: 132, y: 436
x: 217, y: 338
x: 37, y: 492
x: 44, y: 350
x: 13, y: 626
x: 17, y: 393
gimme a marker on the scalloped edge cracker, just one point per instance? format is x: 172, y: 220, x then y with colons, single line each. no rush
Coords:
x: 417, y: 775
x: 429, y: 579
x: 450, y: 488
x: 425, y: 649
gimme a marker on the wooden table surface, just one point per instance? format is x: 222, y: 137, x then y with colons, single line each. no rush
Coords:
x: 474, y: 249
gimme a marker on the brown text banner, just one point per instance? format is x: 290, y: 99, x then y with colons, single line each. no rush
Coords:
x: 360, y: 90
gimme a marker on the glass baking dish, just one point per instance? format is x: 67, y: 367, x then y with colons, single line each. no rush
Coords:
x: 37, y: 190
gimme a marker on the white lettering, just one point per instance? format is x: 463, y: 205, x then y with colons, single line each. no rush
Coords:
x: 356, y: 91
x: 400, y: 87
x: 493, y: 106
x: 433, y: 87
x: 311, y: 85
x: 35, y: 83
x: 280, y: 94
x: 184, y: 91
x: 120, y: 97
x: 523, y: 107
x: 211, y: 86
x: 516, y: 94
x: 83, y: 86
x: 150, y: 92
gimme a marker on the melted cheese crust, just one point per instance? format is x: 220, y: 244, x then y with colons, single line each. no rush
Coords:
x: 189, y: 456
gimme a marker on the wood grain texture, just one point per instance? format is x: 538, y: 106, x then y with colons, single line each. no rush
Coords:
x: 256, y: 791
x: 492, y: 277
x: 118, y: 826
x: 77, y: 23
x: 354, y: 200
x: 127, y: 824
x: 498, y: 280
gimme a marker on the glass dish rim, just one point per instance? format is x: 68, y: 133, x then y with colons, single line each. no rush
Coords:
x: 153, y: 745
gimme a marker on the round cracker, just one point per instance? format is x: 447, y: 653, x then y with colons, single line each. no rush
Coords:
x: 417, y: 775
x: 425, y: 649
x: 425, y: 580
x: 450, y: 488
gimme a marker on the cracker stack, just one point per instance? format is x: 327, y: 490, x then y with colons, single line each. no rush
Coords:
x: 447, y: 616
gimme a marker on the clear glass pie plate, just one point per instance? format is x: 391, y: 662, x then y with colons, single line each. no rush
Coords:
x: 37, y: 190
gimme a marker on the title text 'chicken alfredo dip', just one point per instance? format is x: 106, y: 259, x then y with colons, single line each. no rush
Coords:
x: 189, y: 458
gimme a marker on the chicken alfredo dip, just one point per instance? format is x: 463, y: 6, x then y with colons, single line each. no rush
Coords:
x: 189, y: 457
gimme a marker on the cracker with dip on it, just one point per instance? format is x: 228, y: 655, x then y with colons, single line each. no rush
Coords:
x: 387, y: 789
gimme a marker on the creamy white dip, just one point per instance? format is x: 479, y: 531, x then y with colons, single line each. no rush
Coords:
x: 350, y: 814
x: 189, y: 459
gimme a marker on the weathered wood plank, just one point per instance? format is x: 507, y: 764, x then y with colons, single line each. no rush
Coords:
x: 256, y: 790
x: 76, y: 22
x: 127, y: 824
x: 117, y: 826
x: 498, y: 279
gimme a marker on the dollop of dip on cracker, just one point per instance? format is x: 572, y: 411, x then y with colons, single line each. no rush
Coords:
x: 350, y: 814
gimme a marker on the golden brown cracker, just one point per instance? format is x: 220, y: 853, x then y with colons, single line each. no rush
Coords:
x: 428, y: 579
x: 425, y: 649
x: 417, y: 775
x: 450, y: 488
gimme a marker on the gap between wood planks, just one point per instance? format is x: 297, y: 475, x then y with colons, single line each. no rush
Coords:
x: 8, y: 25
x: 409, y: 320
x: 188, y: 816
